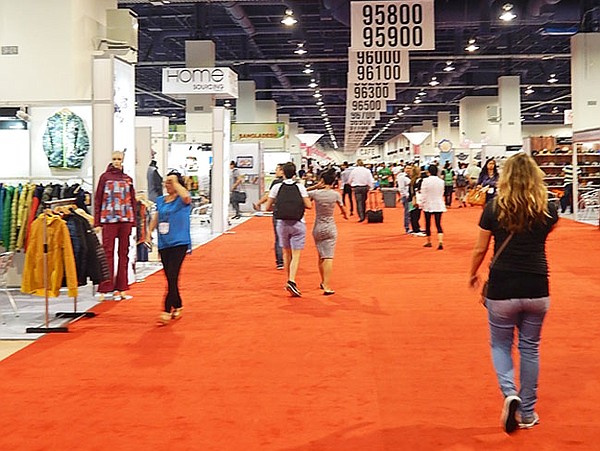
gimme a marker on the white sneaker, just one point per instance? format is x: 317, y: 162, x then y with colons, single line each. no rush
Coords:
x: 528, y: 423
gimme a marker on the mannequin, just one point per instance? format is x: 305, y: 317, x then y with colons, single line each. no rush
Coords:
x: 114, y: 213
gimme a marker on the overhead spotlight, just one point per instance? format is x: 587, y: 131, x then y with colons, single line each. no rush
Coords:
x: 289, y: 19
x: 536, y: 115
x: 552, y: 78
x: 529, y: 90
x: 455, y: 120
x: 313, y: 83
x: 472, y: 46
x: 434, y: 81
x: 307, y: 69
x: 449, y: 67
x: 507, y: 13
x: 300, y: 50
x: 406, y: 108
x: 418, y: 100
x: 319, y: 103
x: 400, y: 113
x: 317, y: 95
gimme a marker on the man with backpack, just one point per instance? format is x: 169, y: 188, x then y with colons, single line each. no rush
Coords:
x: 292, y: 199
x: 462, y: 181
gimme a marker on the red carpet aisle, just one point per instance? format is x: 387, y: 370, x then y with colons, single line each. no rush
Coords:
x: 398, y: 359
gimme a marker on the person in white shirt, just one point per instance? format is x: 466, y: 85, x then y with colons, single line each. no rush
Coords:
x: 361, y: 181
x: 403, y: 184
x: 432, y: 191
x: 346, y: 187
x: 292, y: 199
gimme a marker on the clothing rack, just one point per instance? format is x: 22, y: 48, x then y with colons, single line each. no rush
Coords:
x: 74, y: 314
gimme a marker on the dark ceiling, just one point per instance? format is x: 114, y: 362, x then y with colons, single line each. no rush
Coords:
x: 249, y: 38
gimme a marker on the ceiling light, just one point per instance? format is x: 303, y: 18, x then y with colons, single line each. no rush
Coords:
x: 421, y: 93
x: 308, y: 70
x: 529, y: 90
x: 400, y: 113
x: 456, y: 119
x: 317, y: 95
x: 406, y: 108
x: 319, y: 103
x: 312, y: 84
x: 472, y: 46
x: 289, y: 20
x: 300, y: 51
x: 417, y: 100
x: 536, y: 115
x: 449, y: 67
x: 507, y: 13
x: 434, y: 81
x: 552, y: 78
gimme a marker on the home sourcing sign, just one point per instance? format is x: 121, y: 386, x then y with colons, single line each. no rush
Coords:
x: 221, y: 82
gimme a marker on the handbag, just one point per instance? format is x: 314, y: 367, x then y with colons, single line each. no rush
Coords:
x: 484, y: 288
x: 476, y: 196
x: 239, y: 197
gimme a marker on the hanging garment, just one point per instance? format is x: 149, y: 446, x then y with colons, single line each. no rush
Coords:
x: 65, y: 140
x: 61, y: 261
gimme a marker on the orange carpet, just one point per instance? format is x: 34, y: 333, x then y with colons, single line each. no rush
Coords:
x: 397, y: 359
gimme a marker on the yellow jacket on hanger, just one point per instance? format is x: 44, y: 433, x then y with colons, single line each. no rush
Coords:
x: 61, y: 259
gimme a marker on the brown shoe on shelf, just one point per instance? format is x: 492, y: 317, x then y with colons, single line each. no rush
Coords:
x: 176, y: 313
x: 163, y: 319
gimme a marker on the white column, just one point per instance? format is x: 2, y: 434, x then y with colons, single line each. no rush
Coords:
x: 474, y: 125
x: 220, y: 170
x: 198, y: 114
x: 585, y: 80
x: 443, y: 128
x: 246, y: 102
x: 509, y: 101
x: 143, y: 156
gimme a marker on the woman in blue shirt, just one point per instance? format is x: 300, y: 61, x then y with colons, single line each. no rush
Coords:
x: 488, y: 179
x: 172, y: 219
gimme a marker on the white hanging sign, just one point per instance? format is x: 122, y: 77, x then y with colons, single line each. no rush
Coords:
x: 375, y: 66
x: 366, y: 91
x: 221, y: 82
x: 392, y: 25
x: 365, y: 105
x: 363, y: 116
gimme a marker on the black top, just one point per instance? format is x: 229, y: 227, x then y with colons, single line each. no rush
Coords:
x: 521, y: 271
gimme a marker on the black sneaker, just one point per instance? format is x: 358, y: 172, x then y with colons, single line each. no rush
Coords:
x: 293, y: 289
x: 508, y: 419
x: 427, y: 245
x: 440, y: 247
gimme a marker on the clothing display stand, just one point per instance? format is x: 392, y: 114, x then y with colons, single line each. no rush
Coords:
x: 74, y: 314
x: 6, y: 260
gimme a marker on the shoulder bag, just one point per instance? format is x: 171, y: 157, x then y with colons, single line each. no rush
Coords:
x: 484, y: 289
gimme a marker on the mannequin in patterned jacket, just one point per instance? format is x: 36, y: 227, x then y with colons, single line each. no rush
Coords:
x: 114, y: 213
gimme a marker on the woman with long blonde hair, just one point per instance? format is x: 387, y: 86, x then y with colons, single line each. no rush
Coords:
x: 520, y: 219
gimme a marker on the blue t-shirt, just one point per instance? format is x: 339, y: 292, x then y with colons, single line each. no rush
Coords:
x: 177, y: 215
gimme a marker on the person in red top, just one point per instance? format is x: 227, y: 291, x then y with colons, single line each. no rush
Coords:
x: 114, y: 213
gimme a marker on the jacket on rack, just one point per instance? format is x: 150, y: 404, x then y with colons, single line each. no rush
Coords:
x: 6, y: 216
x: 90, y: 260
x: 114, y: 200
x: 61, y: 261
x: 65, y: 140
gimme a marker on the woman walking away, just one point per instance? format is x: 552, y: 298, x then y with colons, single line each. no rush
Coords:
x: 488, y: 179
x: 173, y: 221
x: 432, y: 191
x: 324, y: 230
x: 520, y: 219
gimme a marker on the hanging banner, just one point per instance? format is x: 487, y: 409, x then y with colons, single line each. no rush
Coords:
x: 392, y: 25
x: 359, y: 106
x: 367, y: 91
x: 257, y: 132
x: 221, y: 82
x: 375, y: 66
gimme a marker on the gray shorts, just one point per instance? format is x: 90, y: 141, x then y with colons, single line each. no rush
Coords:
x: 292, y: 234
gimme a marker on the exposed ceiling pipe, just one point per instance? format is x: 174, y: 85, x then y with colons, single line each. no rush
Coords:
x: 239, y: 16
x: 340, y: 10
x: 535, y: 9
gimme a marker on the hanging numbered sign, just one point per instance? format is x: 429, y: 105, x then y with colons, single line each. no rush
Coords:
x: 365, y: 105
x: 366, y: 91
x: 392, y: 25
x: 375, y: 66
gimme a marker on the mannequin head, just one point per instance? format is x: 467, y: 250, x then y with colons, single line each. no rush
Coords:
x: 117, y: 159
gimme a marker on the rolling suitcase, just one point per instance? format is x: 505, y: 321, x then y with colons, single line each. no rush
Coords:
x: 374, y: 212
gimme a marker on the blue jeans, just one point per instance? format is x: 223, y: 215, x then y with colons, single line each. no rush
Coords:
x: 527, y: 315
x: 405, y: 202
x: 278, y: 251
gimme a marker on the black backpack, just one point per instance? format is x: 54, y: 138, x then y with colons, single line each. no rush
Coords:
x: 461, y: 180
x: 289, y: 202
